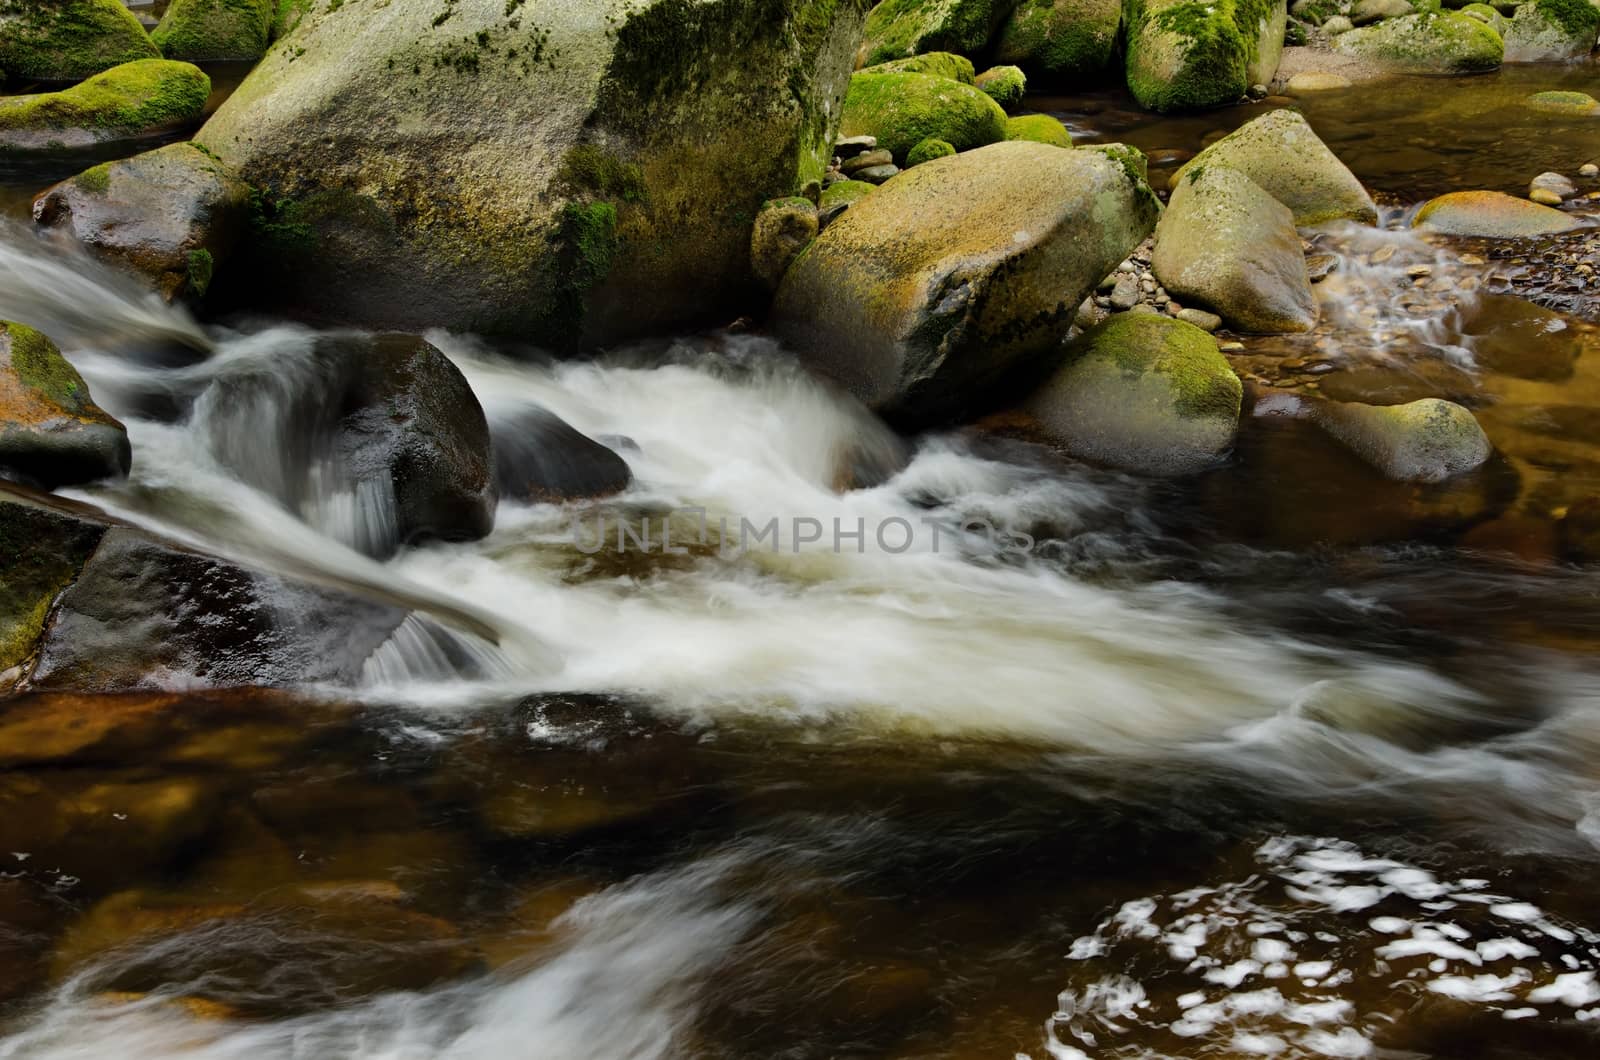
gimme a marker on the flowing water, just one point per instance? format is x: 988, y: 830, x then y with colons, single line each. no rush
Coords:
x: 1047, y: 762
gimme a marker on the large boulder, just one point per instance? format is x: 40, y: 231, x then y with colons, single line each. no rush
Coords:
x: 1544, y: 31
x: 51, y: 431
x: 1280, y: 152
x: 1432, y: 42
x: 1145, y: 393
x: 68, y: 40
x: 211, y: 30
x: 1194, y: 54
x: 1225, y: 244
x: 1423, y: 441
x: 1063, y: 43
x: 898, y: 28
x: 902, y: 110
x: 933, y: 290
x: 136, y: 99
x: 170, y: 216
x: 1493, y: 214
x: 571, y: 171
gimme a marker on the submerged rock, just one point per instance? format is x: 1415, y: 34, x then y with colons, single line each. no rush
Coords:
x: 1040, y: 129
x: 1227, y: 245
x: 783, y: 228
x: 899, y: 28
x: 211, y: 30
x: 131, y: 100
x: 1424, y: 441
x: 1316, y: 81
x: 1144, y: 393
x: 1545, y: 31
x: 571, y: 171
x: 171, y: 216
x: 1281, y: 153
x: 1428, y: 43
x: 1493, y: 214
x: 930, y: 291
x: 1564, y: 102
x: 51, y: 431
x: 902, y: 110
x: 1063, y: 43
x: 540, y: 459
x: 68, y: 40
x: 1194, y: 54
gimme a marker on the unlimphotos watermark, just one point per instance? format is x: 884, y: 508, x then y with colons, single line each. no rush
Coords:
x: 685, y: 530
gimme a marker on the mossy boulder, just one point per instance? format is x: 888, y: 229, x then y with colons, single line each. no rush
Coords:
x: 1493, y: 214
x: 1225, y: 244
x: 898, y: 28
x: 1489, y: 17
x: 783, y: 228
x: 902, y: 110
x: 68, y: 40
x: 42, y: 549
x: 939, y: 64
x: 1006, y: 85
x: 1563, y: 103
x: 846, y: 192
x: 171, y: 216
x: 574, y: 172
x: 1281, y: 153
x: 1144, y: 393
x: 51, y: 431
x: 1040, y: 129
x: 1063, y: 43
x: 930, y: 295
x: 927, y: 151
x: 209, y: 30
x: 1194, y: 54
x: 1544, y: 31
x: 1424, y: 441
x: 1432, y: 42
x: 128, y: 101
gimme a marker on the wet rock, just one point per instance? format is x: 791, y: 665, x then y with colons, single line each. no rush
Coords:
x: 135, y: 99
x: 51, y: 431
x: 1063, y: 43
x: 1006, y: 85
x: 894, y: 299
x: 927, y: 151
x: 171, y: 216
x: 1491, y: 213
x: 902, y: 110
x: 1281, y: 154
x: 1580, y: 531
x: 1427, y: 43
x: 1544, y: 31
x: 783, y: 228
x: 1424, y: 441
x: 948, y: 65
x: 1316, y: 81
x: 1563, y: 102
x: 69, y: 40
x: 1200, y: 319
x: 1366, y: 12
x: 207, y: 31
x: 900, y: 28
x: 1589, y: 171
x: 1320, y: 266
x: 1145, y: 393
x: 1514, y: 337
x: 1039, y: 129
x: 1226, y: 244
x: 1553, y: 184
x: 43, y: 546
x: 1184, y: 55
x: 1125, y: 295
x: 540, y: 459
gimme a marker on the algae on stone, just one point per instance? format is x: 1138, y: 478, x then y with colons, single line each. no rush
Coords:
x: 51, y: 431
x: 1493, y: 214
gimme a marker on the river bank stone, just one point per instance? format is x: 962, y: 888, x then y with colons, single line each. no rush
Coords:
x: 1491, y: 213
x: 1191, y: 55
x: 1144, y: 393
x: 900, y: 28
x: 930, y: 292
x: 124, y: 102
x: 1544, y: 31
x: 1063, y: 43
x: 171, y: 216
x: 574, y: 172
x: 1424, y: 441
x: 1227, y: 245
x: 540, y: 459
x: 212, y: 30
x: 68, y: 40
x: 902, y: 110
x: 1427, y: 43
x: 51, y: 431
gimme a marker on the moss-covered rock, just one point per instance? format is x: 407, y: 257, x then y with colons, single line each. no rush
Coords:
x: 1281, y: 153
x: 1432, y: 42
x: 68, y: 40
x: 898, y: 28
x: 1563, y: 103
x: 1193, y: 54
x: 939, y: 64
x: 931, y: 293
x: 1366, y: 12
x: 208, y: 30
x: 1493, y: 214
x: 1063, y: 43
x: 42, y: 549
x: 846, y: 192
x: 127, y: 101
x: 171, y: 216
x: 1145, y: 393
x: 1544, y: 31
x: 1040, y: 129
x: 783, y: 228
x: 927, y: 151
x: 1006, y: 85
x: 1227, y: 245
x: 571, y: 171
x: 51, y: 431
x: 1489, y: 17
x: 902, y: 110
x: 1424, y: 441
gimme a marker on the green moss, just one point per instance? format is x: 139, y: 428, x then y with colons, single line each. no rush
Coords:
x: 898, y: 28
x: 1063, y: 43
x: 1216, y: 43
x: 68, y: 40
x: 1431, y: 42
x: 902, y: 110
x: 939, y: 64
x: 288, y: 16
x: 1201, y: 381
x: 1578, y: 19
x: 1040, y: 129
x: 41, y: 554
x: 1006, y: 85
x: 585, y: 245
x: 202, y: 267
x: 147, y: 94
x: 97, y: 179
x: 201, y: 30
x: 927, y: 151
x: 846, y: 191
x: 1563, y: 102
x: 1295, y: 34
x: 594, y: 170
x: 39, y: 365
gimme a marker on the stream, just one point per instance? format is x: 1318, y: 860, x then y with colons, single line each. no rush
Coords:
x: 1049, y: 762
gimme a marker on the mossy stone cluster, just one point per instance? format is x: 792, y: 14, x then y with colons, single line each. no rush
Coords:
x: 68, y: 40
x: 902, y: 110
x: 900, y: 28
x: 209, y: 30
x: 1195, y: 54
x: 132, y: 98
x: 1063, y: 43
x: 1040, y: 129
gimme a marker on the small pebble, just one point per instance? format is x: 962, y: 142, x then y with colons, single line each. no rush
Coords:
x: 1589, y: 169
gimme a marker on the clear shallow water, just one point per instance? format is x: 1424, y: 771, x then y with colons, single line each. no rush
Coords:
x: 1283, y: 761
